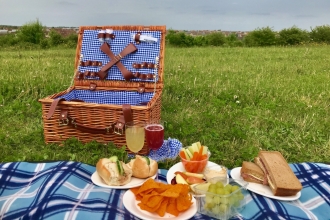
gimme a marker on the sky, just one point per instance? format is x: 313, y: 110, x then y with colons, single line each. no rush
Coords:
x: 225, y: 15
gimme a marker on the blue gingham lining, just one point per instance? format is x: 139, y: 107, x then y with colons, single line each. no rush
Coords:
x: 109, y: 97
x: 147, y: 52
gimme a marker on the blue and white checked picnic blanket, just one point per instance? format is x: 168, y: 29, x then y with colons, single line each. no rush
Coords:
x: 64, y: 190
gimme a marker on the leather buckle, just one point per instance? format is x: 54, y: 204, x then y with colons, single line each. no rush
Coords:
x: 63, y: 122
x: 141, y: 88
x: 92, y: 86
x: 119, y: 131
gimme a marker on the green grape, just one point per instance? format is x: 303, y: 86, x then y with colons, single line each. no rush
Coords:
x: 224, y: 200
x: 208, y: 198
x: 210, y: 205
x: 237, y: 203
x: 234, y: 188
x: 207, y: 206
x: 220, y: 191
x: 223, y: 208
x: 213, y: 191
x: 240, y: 196
x: 228, y: 187
x: 226, y: 192
x: 219, y: 184
x: 212, y: 186
x: 216, y: 210
x: 217, y: 199
x: 232, y: 200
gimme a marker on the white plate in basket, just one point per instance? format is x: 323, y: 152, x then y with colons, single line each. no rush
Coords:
x: 131, y: 204
x: 135, y: 182
x: 179, y: 167
x: 259, y: 188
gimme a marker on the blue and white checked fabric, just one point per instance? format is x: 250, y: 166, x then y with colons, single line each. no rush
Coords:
x: 109, y: 97
x: 64, y: 190
x: 169, y: 150
x: 147, y: 52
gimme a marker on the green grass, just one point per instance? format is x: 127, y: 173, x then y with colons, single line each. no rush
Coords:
x: 234, y: 100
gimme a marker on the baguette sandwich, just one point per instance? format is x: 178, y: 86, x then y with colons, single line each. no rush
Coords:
x: 281, y: 179
x: 113, y: 172
x: 143, y: 167
x: 251, y: 172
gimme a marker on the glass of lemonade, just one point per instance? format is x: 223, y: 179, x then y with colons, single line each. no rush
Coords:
x: 155, y: 134
x: 134, y: 133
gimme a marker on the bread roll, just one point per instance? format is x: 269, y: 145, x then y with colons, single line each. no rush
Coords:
x: 109, y: 173
x: 140, y: 167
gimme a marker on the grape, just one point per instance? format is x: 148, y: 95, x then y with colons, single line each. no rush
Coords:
x: 216, y: 210
x: 223, y: 208
x: 234, y: 188
x: 208, y: 198
x: 212, y: 187
x: 217, y: 199
x: 213, y: 191
x: 240, y: 196
x: 219, y: 184
x: 207, y: 206
x: 226, y: 192
x: 224, y: 200
x: 220, y: 191
x: 228, y: 187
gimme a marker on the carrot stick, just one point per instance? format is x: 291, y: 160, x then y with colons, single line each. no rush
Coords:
x: 183, y: 155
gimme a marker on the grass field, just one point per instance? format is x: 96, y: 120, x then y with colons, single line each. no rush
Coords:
x: 234, y: 100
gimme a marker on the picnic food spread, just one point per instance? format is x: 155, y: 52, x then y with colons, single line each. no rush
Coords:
x: 278, y: 174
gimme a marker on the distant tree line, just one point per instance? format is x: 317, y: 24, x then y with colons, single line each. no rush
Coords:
x: 32, y: 35
x: 259, y: 37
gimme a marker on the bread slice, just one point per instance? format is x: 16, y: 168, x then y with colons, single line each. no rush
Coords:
x: 281, y: 179
x: 251, y: 172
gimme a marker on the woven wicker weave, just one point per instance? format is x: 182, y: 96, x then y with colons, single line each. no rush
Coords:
x: 102, y: 115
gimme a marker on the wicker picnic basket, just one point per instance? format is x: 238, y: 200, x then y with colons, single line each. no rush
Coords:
x: 109, y: 90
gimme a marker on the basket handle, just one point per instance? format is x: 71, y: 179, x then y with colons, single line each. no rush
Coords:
x: 116, y: 127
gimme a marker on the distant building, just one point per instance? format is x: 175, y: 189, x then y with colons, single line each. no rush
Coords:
x: 3, y: 31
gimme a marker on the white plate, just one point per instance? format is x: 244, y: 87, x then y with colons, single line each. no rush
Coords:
x: 131, y: 204
x: 259, y: 188
x: 179, y: 167
x: 96, y: 179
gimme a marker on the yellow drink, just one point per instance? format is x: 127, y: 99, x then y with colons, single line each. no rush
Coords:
x: 135, y: 137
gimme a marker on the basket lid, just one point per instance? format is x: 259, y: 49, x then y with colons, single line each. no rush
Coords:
x: 120, y: 56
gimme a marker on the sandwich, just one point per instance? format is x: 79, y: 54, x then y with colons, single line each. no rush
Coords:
x: 113, y: 172
x: 251, y: 172
x: 143, y: 167
x: 281, y: 179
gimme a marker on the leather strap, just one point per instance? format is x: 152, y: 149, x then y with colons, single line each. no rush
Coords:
x: 130, y: 48
x: 141, y: 76
x: 90, y: 63
x: 137, y: 38
x: 143, y: 65
x: 54, y: 105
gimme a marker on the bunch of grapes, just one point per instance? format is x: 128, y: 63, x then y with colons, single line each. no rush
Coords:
x: 221, y: 198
